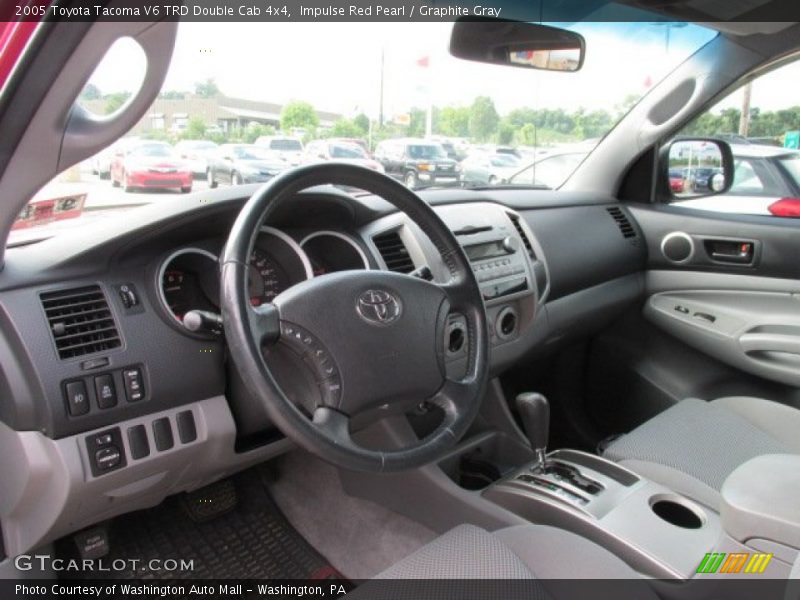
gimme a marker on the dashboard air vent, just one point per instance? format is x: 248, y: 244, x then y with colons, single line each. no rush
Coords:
x: 523, y: 235
x: 394, y: 252
x: 80, y: 321
x: 623, y: 223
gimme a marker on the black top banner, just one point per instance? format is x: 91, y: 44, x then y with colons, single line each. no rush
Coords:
x: 553, y: 11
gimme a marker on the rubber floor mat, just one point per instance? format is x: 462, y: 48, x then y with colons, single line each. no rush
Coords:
x: 254, y: 540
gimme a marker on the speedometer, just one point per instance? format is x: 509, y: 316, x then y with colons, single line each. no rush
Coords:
x: 267, y: 278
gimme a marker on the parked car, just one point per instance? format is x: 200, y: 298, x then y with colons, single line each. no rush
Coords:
x: 491, y: 169
x: 288, y: 148
x: 196, y: 153
x: 152, y: 165
x: 324, y: 150
x: 243, y: 163
x: 417, y: 162
x: 766, y: 181
x: 676, y: 180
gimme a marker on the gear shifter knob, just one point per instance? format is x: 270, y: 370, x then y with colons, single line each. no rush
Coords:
x: 534, y: 409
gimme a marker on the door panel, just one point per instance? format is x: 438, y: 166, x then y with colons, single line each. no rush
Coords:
x: 707, y: 327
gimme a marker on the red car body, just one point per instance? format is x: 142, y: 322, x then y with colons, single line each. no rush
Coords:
x: 150, y: 165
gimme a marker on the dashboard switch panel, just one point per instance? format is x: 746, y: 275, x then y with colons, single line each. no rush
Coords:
x: 162, y: 433
x: 137, y: 439
x: 105, y: 391
x: 187, y: 430
x: 134, y: 383
x: 77, y: 398
x: 106, y: 451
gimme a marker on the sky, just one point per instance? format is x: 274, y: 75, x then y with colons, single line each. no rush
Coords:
x: 337, y: 66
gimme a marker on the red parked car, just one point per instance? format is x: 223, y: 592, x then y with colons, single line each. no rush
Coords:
x: 152, y: 165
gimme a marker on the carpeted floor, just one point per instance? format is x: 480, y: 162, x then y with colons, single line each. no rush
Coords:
x: 360, y: 538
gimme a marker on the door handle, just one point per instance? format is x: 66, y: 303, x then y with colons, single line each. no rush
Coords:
x: 770, y: 342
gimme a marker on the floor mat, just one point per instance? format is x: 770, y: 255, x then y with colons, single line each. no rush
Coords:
x: 253, y: 540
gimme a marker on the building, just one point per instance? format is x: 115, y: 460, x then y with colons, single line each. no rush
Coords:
x: 222, y: 112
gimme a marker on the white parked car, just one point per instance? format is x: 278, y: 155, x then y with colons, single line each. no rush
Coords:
x: 288, y: 148
x: 196, y: 153
x: 766, y: 181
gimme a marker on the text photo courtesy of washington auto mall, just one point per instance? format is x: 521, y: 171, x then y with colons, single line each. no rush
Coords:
x: 409, y: 299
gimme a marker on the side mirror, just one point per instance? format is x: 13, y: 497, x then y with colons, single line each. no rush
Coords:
x: 517, y: 44
x: 696, y: 167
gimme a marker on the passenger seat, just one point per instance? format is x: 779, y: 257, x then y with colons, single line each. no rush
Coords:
x: 693, y: 446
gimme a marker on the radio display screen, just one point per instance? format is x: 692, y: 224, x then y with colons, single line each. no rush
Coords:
x: 482, y: 251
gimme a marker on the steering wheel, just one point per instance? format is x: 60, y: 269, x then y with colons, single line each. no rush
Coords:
x: 374, y: 338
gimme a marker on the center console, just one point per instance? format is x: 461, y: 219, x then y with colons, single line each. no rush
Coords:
x: 657, y: 531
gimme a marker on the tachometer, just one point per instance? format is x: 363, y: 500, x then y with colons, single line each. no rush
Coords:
x: 188, y: 280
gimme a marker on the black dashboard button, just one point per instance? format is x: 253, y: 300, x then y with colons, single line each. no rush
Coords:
x: 107, y: 458
x: 187, y: 430
x: 137, y: 439
x: 134, y: 384
x: 77, y: 398
x: 105, y: 451
x: 105, y: 390
x: 162, y: 433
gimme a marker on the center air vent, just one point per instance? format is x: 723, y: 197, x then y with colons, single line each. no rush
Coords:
x: 521, y: 232
x: 628, y: 232
x: 394, y: 252
x: 80, y: 321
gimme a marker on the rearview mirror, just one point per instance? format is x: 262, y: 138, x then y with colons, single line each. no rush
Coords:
x: 698, y: 167
x: 517, y: 44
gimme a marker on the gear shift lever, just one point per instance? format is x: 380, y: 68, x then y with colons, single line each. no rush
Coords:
x: 534, y: 409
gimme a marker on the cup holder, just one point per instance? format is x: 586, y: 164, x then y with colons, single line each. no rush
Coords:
x: 677, y: 511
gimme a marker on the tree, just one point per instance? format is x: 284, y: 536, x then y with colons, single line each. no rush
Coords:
x: 195, y: 129
x: 346, y: 128
x: 416, y: 126
x: 299, y: 115
x: 90, y: 92
x: 253, y: 131
x: 483, y: 119
x: 115, y: 101
x: 361, y: 121
x: 505, y: 133
x: 526, y: 135
x: 453, y: 121
x: 207, y: 88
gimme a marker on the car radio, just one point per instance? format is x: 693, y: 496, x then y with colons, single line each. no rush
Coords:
x: 499, y: 266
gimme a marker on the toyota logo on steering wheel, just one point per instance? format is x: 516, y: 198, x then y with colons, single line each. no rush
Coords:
x: 378, y: 307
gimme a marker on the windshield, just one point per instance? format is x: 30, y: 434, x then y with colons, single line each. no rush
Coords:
x: 792, y: 166
x: 426, y: 151
x: 290, y: 145
x: 505, y: 160
x: 151, y: 150
x: 252, y: 153
x: 370, y: 82
x: 347, y: 151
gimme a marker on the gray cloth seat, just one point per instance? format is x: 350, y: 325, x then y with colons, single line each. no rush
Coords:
x: 530, y: 561
x: 694, y: 445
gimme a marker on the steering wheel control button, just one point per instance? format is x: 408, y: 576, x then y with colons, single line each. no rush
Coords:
x: 378, y: 307
x: 187, y: 430
x: 331, y: 390
x: 77, y: 398
x: 105, y: 451
x: 137, y: 440
x: 105, y: 390
x: 134, y: 384
x: 310, y: 349
x: 162, y: 434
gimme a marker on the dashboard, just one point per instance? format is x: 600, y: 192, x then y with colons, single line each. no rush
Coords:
x: 110, y: 402
x: 188, y: 278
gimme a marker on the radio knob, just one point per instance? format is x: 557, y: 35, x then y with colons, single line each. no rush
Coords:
x: 511, y: 244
